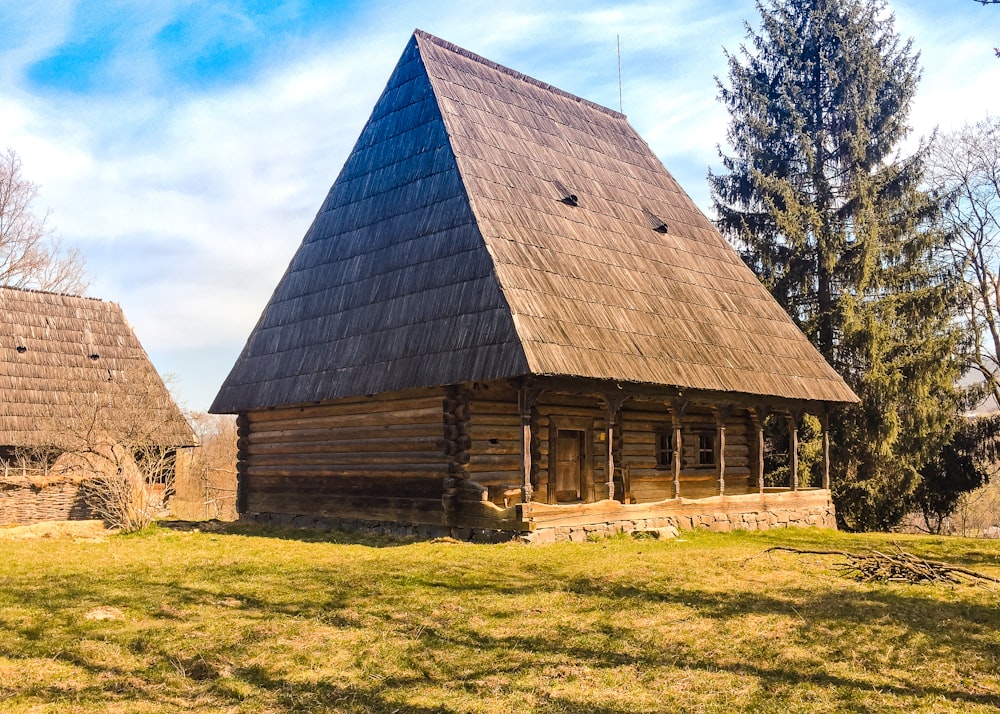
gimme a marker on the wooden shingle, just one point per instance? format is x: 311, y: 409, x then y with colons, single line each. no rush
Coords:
x: 60, y: 352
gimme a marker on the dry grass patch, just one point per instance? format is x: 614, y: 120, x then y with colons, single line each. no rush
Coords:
x: 265, y: 621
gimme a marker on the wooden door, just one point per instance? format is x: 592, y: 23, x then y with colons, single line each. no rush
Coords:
x: 569, y: 465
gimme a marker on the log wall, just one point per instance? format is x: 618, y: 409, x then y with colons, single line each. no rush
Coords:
x: 375, y: 458
x: 495, y: 462
x: 640, y: 422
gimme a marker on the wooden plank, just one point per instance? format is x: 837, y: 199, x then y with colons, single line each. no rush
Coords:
x: 496, y: 478
x: 346, y: 472
x: 382, y: 445
x: 503, y: 448
x: 494, y: 421
x: 378, y: 431
x: 503, y: 462
x: 406, y: 459
x: 481, y: 409
x: 558, y: 411
x: 398, y: 510
x: 309, y: 487
x: 428, y: 415
x: 382, y: 403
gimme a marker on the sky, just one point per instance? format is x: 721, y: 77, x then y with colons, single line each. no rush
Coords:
x: 184, y: 147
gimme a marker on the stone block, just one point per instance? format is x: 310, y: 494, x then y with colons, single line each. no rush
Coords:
x: 542, y: 536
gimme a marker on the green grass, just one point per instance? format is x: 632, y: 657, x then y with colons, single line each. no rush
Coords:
x: 287, y: 621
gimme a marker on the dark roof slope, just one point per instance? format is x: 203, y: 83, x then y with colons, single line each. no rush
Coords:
x: 449, y: 250
x: 64, y: 360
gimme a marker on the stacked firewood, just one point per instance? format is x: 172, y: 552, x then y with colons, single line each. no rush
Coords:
x: 895, y: 567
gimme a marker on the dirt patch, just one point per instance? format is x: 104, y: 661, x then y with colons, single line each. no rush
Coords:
x: 75, y: 530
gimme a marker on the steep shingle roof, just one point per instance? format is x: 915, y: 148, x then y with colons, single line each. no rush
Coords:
x: 449, y: 250
x: 63, y: 360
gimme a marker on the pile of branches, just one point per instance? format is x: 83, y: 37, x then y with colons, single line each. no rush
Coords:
x: 897, y: 567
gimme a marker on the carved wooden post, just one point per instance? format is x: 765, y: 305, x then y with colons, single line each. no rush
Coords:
x: 757, y: 417
x: 524, y: 402
x: 614, y: 405
x: 677, y: 410
x: 793, y: 447
x: 721, y: 415
x: 825, y: 418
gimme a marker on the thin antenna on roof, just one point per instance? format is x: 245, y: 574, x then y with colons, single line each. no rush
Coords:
x: 618, y: 41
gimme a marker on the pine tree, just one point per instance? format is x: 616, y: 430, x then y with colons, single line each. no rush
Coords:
x: 833, y: 219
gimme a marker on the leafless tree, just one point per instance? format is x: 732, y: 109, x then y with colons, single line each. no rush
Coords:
x: 30, y: 255
x: 966, y: 168
x: 206, y: 486
x: 121, y: 442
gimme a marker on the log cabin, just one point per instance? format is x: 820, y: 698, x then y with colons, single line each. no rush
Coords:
x: 508, y: 318
x: 75, y: 384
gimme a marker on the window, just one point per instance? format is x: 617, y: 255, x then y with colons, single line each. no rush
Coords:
x: 664, y: 449
x: 706, y: 449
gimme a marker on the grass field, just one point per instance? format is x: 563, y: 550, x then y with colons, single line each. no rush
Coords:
x: 286, y: 621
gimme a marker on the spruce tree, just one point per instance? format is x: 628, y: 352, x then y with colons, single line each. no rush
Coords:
x: 832, y: 217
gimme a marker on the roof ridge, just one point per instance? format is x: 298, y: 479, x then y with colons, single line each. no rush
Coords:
x: 461, y: 51
x: 55, y: 293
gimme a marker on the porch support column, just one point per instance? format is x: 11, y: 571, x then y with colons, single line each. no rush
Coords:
x: 793, y: 447
x: 757, y: 417
x: 677, y: 409
x: 526, y: 399
x: 825, y: 419
x: 721, y: 415
x: 614, y: 406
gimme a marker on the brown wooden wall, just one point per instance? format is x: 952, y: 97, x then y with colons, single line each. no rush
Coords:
x: 371, y: 458
x: 496, y: 460
x: 640, y: 422
x: 495, y: 427
x: 386, y: 458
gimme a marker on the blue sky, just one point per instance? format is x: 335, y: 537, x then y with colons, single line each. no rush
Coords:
x: 185, y: 146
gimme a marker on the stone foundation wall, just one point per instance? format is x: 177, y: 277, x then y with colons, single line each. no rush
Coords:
x: 24, y: 503
x: 720, y: 522
x: 818, y: 513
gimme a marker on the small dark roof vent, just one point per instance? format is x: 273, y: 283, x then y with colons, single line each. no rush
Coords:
x: 21, y: 349
x: 568, y: 197
x: 655, y: 222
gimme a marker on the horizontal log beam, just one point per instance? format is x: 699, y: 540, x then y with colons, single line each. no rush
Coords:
x: 364, y: 406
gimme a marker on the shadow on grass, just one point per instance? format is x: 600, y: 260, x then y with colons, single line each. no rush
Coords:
x: 290, y: 533
x: 400, y: 599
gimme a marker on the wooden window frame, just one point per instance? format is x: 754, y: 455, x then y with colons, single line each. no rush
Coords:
x: 706, y: 437
x: 664, y: 455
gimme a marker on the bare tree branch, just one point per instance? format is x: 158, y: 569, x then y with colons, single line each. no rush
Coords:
x: 965, y: 167
x: 30, y: 255
x: 120, y: 442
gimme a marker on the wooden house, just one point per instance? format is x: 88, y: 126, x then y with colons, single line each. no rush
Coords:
x: 76, y: 388
x: 508, y: 317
